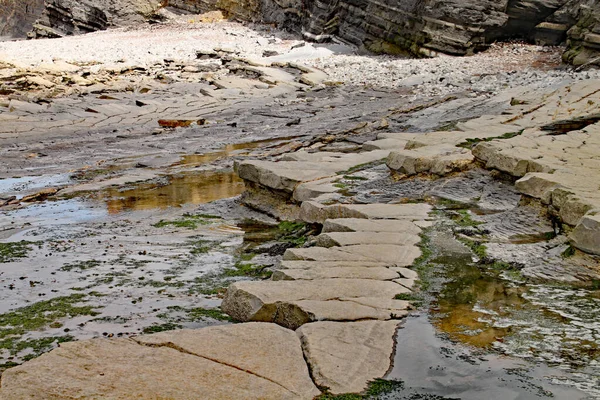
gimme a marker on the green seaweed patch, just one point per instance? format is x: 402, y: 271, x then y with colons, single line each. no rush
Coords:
x: 81, y: 265
x: 472, y: 142
x: 198, y: 314
x: 13, y: 250
x: 41, y: 314
x: 248, y: 269
x: 198, y: 247
x: 35, y: 346
x: 189, y: 221
x: 361, y: 167
x: 463, y: 218
x: 293, y: 232
x: 209, y: 285
x: 355, y: 178
x: 169, y: 326
x: 478, y: 248
x: 376, y: 388
x: 383, y: 386
x: 568, y: 252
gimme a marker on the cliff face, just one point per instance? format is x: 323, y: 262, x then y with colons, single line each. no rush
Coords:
x: 17, y: 16
x: 66, y: 17
x: 419, y: 27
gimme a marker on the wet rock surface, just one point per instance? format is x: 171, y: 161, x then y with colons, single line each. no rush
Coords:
x: 137, y: 230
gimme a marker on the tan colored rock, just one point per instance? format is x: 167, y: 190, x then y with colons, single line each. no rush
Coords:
x: 318, y: 213
x: 286, y: 175
x: 39, y: 81
x: 245, y: 361
x: 265, y: 300
x: 287, y: 264
x: 392, y: 255
x: 311, y: 190
x: 362, y: 225
x: 295, y: 314
x: 385, y: 144
x: 331, y: 239
x: 441, y: 157
x: 377, y: 273
x: 346, y: 356
x: 323, y: 254
x: 586, y: 235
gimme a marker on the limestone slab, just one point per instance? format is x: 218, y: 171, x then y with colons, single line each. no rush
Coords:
x: 290, y: 264
x: 263, y: 360
x: 377, y: 273
x: 297, y: 313
x: 425, y: 159
x: 344, y: 357
x: 263, y: 301
x: 318, y: 213
x: 331, y: 239
x: 362, y: 225
x: 392, y: 255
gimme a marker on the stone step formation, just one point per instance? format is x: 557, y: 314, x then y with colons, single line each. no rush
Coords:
x: 329, y: 315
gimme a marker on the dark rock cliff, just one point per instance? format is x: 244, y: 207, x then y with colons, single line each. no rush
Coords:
x: 17, y: 16
x: 418, y: 27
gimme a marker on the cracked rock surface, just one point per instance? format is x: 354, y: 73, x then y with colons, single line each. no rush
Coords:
x: 264, y: 361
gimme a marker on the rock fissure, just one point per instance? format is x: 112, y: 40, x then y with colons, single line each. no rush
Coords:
x: 173, y: 346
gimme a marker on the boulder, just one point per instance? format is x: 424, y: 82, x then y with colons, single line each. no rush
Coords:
x: 586, y: 235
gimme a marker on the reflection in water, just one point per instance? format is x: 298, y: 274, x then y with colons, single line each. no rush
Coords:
x: 191, y: 188
x: 559, y: 326
x: 468, y: 297
x: 229, y: 150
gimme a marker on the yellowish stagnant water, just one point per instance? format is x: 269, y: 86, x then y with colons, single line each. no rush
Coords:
x: 188, y: 188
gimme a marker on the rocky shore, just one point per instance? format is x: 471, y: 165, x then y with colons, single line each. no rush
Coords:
x: 385, y: 172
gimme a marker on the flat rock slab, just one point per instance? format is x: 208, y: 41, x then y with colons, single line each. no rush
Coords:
x: 244, y: 361
x: 268, y: 301
x: 295, y: 264
x: 376, y: 225
x: 392, y: 255
x: 332, y: 239
x: 297, y: 313
x: 377, y: 273
x: 346, y: 356
x: 286, y: 175
x: 318, y: 213
x: 439, y: 159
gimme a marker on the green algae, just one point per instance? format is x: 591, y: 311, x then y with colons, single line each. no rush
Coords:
x: 41, y: 314
x: 189, y: 221
x: 11, y: 251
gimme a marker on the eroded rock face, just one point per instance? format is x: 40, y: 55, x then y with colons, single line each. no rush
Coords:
x: 422, y: 28
x: 17, y: 16
x: 67, y: 17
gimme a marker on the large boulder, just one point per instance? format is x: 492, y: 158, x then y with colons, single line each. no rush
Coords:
x: 586, y: 235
